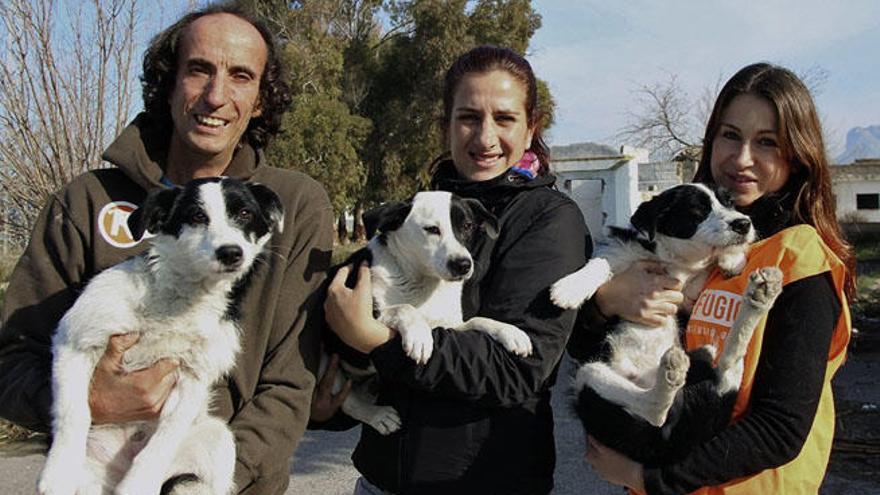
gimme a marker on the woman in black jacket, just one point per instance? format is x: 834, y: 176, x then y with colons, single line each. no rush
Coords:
x: 477, y: 418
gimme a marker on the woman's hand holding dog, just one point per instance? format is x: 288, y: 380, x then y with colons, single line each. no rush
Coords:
x: 614, y: 467
x: 116, y: 396
x: 349, y: 312
x: 644, y: 294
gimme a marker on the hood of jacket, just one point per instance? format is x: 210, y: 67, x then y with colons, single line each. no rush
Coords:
x: 141, y: 152
x: 494, y: 193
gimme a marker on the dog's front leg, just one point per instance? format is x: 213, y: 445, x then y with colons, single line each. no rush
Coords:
x: 64, y: 471
x: 418, y: 341
x: 148, y: 470
x: 572, y: 290
x: 764, y: 286
x: 512, y: 338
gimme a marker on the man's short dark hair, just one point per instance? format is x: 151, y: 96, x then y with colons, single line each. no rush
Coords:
x: 160, y: 72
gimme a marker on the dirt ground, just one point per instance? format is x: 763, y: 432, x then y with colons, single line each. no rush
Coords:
x: 855, y: 459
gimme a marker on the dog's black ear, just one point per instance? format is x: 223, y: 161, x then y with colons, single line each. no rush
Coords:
x: 645, y: 218
x: 386, y: 218
x: 488, y: 222
x: 153, y: 213
x: 270, y: 205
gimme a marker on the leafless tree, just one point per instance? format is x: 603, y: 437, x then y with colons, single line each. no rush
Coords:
x: 663, y: 120
x: 669, y: 123
x: 65, y: 91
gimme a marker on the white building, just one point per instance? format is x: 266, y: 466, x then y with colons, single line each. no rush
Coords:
x: 604, y: 183
x: 857, y: 191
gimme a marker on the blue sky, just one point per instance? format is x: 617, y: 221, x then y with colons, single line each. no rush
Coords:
x: 595, y: 54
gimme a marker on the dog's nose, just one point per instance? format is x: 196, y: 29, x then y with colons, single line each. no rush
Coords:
x: 229, y: 255
x: 741, y: 226
x: 459, y: 266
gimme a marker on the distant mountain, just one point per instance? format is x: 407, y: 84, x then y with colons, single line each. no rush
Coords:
x: 583, y: 150
x: 861, y: 142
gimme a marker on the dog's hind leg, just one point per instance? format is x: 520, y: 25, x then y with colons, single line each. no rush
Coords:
x: 64, y: 471
x: 671, y: 375
x: 512, y: 338
x: 361, y: 405
x: 187, y: 401
x: 205, y: 462
x: 764, y: 286
x: 611, y: 386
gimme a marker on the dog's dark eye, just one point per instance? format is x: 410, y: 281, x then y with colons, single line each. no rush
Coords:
x: 245, y: 215
x: 433, y: 230
x: 467, y: 226
x: 198, y: 217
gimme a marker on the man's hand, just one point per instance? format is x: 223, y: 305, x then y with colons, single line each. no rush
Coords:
x: 324, y: 402
x: 116, y: 396
x: 643, y: 293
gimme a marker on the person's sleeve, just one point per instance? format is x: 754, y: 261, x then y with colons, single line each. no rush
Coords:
x: 268, y: 427
x: 470, y: 365
x: 42, y: 287
x: 785, y: 395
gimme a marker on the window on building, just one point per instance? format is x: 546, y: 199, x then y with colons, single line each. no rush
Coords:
x: 868, y: 201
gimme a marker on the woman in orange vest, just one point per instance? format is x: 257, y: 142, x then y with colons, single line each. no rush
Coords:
x: 764, y: 143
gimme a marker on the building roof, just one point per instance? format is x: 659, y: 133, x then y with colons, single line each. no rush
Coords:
x: 860, y: 170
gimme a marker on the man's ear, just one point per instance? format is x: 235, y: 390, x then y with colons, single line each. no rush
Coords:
x: 488, y: 222
x: 387, y: 217
x: 154, y: 212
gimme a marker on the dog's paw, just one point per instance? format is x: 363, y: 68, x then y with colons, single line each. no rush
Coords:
x: 385, y: 420
x: 418, y: 344
x: 514, y: 340
x: 673, y: 368
x: 58, y: 478
x: 567, y: 293
x: 765, y: 284
x: 571, y: 291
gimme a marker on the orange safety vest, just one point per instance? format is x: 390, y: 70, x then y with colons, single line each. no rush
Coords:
x: 799, y: 252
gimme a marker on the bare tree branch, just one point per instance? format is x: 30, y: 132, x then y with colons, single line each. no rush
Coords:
x: 65, y: 91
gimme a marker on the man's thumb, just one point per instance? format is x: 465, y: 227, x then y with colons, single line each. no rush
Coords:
x: 120, y: 343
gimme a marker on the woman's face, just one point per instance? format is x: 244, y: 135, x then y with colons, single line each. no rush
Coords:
x: 746, y: 157
x: 489, y: 130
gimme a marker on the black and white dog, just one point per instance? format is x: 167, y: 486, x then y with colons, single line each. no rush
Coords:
x: 419, y: 262
x: 632, y: 398
x: 181, y: 297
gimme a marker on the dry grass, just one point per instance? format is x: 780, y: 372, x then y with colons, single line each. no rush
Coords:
x: 10, y: 432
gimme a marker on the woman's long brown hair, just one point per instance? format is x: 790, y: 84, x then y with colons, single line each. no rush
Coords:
x: 801, y: 143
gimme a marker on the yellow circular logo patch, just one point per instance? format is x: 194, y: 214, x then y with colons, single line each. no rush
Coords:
x: 113, y: 224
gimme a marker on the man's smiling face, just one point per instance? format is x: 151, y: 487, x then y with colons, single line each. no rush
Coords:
x: 217, y: 86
